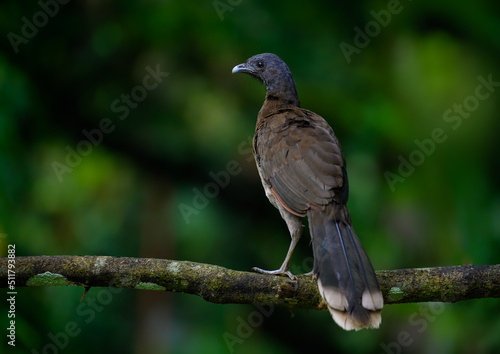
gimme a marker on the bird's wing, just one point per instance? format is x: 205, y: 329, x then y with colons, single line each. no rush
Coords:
x: 302, y: 161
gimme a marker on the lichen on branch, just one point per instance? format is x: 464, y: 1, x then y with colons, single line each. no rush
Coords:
x: 224, y: 286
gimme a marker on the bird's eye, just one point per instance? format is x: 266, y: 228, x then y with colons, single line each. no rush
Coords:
x: 260, y: 64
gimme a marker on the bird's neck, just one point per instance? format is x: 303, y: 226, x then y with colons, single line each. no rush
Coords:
x: 281, y: 90
x: 274, y: 103
x: 282, y: 99
x: 280, y: 94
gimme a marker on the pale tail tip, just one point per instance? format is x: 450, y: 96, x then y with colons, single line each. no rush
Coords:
x: 349, y: 323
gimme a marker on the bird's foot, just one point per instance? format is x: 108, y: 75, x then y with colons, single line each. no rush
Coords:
x: 310, y: 273
x: 282, y: 272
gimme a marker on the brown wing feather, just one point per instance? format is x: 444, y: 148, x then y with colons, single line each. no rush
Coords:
x: 305, y: 167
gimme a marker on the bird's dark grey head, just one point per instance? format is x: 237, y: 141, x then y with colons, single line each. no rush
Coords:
x: 269, y: 69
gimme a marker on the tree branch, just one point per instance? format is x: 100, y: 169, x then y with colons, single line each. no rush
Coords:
x: 223, y: 286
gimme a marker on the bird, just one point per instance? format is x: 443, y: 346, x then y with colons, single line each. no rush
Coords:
x: 303, y: 171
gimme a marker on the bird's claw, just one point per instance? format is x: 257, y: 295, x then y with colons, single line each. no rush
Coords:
x: 311, y: 273
x: 282, y: 272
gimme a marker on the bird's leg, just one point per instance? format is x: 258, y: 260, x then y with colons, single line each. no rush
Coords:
x: 295, y: 227
x: 283, y: 270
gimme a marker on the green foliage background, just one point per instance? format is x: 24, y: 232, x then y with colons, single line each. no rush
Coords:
x: 123, y: 198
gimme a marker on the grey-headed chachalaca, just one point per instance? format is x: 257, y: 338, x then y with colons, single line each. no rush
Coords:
x: 303, y: 171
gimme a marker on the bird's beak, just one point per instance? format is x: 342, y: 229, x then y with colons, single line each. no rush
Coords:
x: 242, y: 68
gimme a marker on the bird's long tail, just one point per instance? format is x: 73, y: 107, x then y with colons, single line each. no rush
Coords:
x: 346, y: 279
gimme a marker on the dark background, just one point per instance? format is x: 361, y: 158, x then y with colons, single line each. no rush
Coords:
x: 126, y: 195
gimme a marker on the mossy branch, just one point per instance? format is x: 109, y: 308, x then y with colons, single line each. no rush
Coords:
x: 223, y: 286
